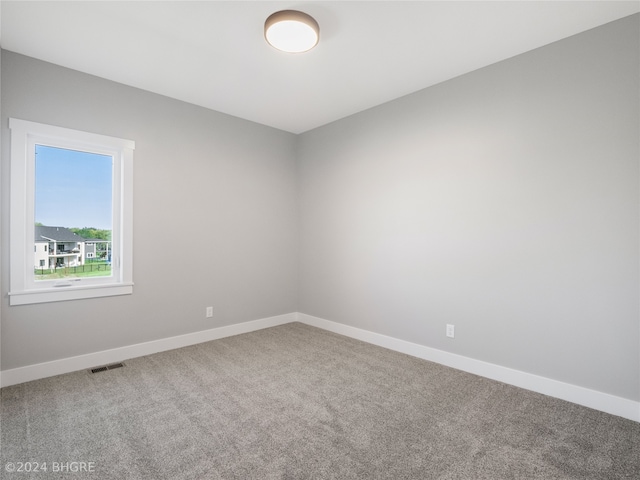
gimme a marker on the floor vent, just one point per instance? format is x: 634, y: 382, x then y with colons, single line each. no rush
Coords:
x: 106, y: 367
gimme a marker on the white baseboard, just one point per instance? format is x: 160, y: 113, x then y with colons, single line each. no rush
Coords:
x: 81, y: 362
x: 565, y: 391
x: 582, y: 396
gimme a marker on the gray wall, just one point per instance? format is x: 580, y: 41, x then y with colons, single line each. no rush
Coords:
x: 214, y: 212
x: 504, y: 201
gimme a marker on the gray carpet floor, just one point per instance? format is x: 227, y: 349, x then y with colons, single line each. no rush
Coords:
x: 296, y: 402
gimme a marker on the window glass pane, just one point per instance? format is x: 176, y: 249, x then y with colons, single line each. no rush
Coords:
x: 73, y: 213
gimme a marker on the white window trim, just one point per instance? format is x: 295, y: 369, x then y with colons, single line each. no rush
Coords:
x: 23, y: 289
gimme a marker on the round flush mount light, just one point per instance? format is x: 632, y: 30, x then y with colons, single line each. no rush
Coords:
x: 291, y: 31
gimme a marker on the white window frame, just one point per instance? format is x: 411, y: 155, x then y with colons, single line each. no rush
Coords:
x: 23, y: 288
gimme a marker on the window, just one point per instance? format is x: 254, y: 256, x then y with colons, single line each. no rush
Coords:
x: 68, y: 187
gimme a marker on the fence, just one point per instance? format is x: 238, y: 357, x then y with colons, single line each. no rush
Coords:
x: 80, y: 269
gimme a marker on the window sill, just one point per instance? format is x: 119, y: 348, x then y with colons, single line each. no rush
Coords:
x: 61, y: 294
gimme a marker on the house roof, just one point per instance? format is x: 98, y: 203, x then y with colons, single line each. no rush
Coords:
x: 59, y: 234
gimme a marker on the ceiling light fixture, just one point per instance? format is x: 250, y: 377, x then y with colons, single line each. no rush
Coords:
x: 291, y: 31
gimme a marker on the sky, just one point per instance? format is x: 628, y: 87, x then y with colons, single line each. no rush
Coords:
x: 73, y: 189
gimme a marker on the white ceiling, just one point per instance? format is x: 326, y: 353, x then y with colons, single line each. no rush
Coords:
x: 213, y: 53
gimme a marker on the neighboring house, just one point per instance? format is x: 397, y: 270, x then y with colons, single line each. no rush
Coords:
x: 58, y: 247
x: 97, y: 248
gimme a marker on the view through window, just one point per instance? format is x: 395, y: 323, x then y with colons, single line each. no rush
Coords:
x: 73, y: 213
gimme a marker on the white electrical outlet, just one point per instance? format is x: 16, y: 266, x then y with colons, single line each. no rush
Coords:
x: 451, y: 331
x: 209, y: 312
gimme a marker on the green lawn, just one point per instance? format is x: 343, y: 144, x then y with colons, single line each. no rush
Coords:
x: 95, y: 269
